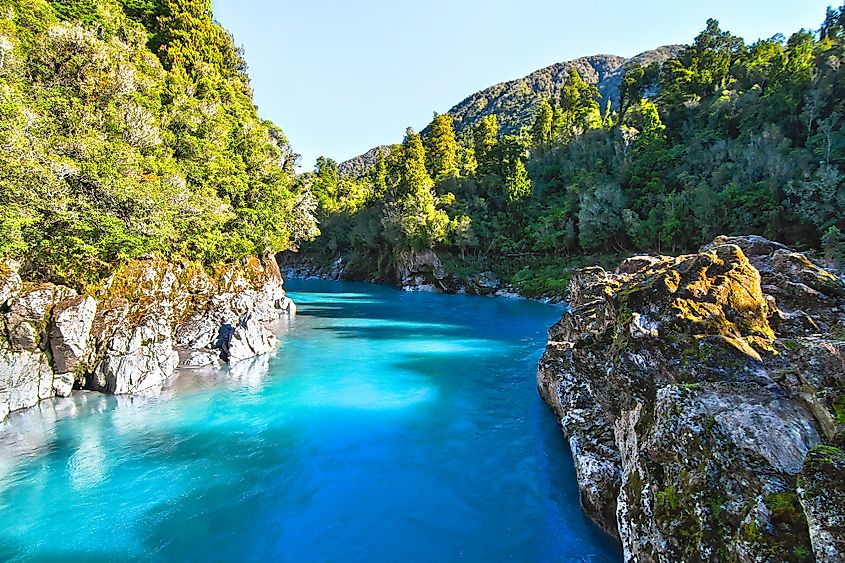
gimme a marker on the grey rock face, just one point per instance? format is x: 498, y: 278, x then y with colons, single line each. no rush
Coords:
x: 135, y: 355
x: 485, y: 283
x: 420, y: 270
x: 70, y: 329
x: 25, y: 379
x: 29, y: 313
x: 692, y: 407
x: 26, y: 376
x: 821, y: 487
x: 126, y: 339
x: 247, y: 339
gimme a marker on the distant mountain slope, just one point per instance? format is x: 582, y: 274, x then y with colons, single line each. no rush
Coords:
x: 358, y: 166
x: 514, y: 102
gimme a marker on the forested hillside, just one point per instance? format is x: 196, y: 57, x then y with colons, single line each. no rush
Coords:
x: 515, y: 102
x: 725, y: 138
x: 127, y: 127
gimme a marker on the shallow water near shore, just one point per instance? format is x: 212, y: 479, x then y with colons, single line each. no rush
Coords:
x: 388, y: 426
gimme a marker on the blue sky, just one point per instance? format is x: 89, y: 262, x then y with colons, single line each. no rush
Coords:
x: 342, y: 76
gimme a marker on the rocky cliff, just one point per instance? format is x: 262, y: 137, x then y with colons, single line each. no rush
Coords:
x: 703, y: 398
x: 130, y: 334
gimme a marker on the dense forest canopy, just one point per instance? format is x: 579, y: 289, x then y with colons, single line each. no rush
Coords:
x: 725, y: 138
x: 127, y: 127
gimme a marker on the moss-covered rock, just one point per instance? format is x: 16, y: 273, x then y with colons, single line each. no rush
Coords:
x: 691, y: 385
x: 822, y: 493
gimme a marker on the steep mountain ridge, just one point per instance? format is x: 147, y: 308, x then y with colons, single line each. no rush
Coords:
x: 514, y: 102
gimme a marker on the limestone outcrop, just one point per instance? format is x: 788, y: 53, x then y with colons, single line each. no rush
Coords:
x: 703, y: 398
x: 130, y: 334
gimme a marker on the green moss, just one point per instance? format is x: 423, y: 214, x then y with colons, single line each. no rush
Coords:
x: 789, y: 538
x: 751, y: 532
x: 782, y: 504
x: 790, y: 344
x: 839, y: 409
x: 824, y: 454
x: 801, y: 552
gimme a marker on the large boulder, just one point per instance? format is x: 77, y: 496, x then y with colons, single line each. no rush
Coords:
x: 247, y: 339
x: 26, y: 376
x: 135, y: 349
x: 690, y: 403
x: 420, y: 271
x: 29, y: 313
x: 217, y: 312
x: 70, y: 329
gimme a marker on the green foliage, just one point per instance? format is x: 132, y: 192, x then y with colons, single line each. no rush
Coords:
x: 518, y: 184
x: 441, y: 147
x: 112, y: 151
x: 485, y: 139
x: 541, y: 131
x: 726, y: 138
x: 579, y: 107
x: 833, y: 243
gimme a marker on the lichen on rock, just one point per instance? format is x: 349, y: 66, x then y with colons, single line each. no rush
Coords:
x: 692, y: 390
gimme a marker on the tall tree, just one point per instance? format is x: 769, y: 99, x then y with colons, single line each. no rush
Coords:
x: 324, y: 187
x: 441, y: 147
x: 485, y: 139
x: 415, y: 178
x: 541, y: 130
x: 579, y: 104
x: 518, y: 183
x: 378, y: 175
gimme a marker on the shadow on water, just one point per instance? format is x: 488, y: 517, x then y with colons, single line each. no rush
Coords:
x: 381, y: 332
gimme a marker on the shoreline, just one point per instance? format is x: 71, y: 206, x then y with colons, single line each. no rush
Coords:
x: 505, y: 293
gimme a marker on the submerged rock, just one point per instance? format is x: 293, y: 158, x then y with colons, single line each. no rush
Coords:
x: 127, y: 338
x: 692, y: 391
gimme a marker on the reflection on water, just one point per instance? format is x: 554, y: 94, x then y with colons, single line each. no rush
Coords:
x: 87, y: 466
x: 387, y: 426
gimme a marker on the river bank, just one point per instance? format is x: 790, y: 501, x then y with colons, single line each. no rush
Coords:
x: 128, y: 334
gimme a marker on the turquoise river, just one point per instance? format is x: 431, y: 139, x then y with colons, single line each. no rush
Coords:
x: 388, y: 426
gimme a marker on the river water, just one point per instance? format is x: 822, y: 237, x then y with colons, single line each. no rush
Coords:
x: 389, y: 426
